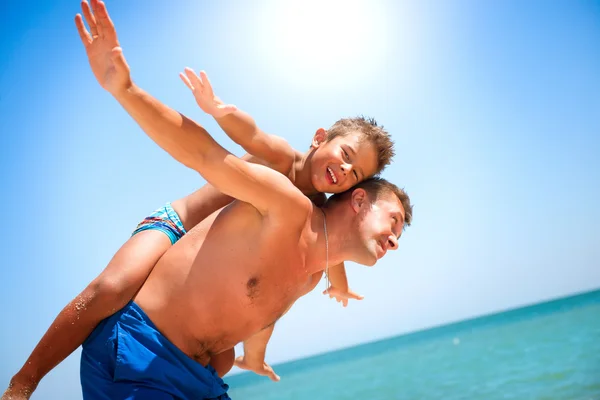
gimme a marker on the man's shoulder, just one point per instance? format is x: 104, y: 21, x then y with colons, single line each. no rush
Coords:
x: 296, y: 210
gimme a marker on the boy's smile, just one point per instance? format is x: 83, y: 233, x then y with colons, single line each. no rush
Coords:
x: 339, y: 164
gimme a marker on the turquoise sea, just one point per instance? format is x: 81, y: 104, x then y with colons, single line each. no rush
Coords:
x: 546, y: 351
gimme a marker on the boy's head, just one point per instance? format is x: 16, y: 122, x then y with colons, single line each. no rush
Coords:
x: 352, y: 150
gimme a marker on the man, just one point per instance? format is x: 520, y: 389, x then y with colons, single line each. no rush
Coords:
x: 232, y: 276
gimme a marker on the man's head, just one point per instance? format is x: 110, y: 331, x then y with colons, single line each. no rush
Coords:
x: 352, y: 150
x: 377, y: 211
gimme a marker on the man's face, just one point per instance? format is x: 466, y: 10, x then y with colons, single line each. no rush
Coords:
x: 341, y: 163
x: 380, y: 227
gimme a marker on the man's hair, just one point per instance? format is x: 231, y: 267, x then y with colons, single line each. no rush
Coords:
x: 370, y: 132
x: 376, y: 188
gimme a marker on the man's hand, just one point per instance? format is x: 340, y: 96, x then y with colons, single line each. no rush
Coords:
x: 204, y: 95
x: 342, y: 297
x: 102, y: 47
x: 263, y: 368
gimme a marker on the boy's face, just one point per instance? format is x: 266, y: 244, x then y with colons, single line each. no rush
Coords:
x: 341, y: 163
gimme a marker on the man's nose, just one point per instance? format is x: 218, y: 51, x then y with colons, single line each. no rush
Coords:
x: 392, y: 242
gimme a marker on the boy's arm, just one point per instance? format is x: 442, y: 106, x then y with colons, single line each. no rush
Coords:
x: 118, y: 283
x: 189, y: 143
x: 337, y: 274
x: 339, y: 285
x: 238, y: 125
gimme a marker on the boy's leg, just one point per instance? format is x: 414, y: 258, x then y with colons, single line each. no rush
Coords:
x: 109, y: 292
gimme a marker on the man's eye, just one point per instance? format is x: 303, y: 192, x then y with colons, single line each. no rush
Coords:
x: 355, y: 175
x: 346, y: 154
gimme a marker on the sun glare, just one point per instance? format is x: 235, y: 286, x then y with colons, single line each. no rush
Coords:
x: 326, y: 39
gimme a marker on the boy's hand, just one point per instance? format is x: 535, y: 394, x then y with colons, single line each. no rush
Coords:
x: 342, y: 297
x: 102, y: 48
x: 263, y: 368
x: 203, y: 93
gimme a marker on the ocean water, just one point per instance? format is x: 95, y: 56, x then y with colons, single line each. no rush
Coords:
x: 546, y: 351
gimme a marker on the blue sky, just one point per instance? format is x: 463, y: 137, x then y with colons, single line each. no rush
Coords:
x: 494, y: 107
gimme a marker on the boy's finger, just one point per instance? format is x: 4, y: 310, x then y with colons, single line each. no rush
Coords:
x: 186, y: 81
x: 194, y: 79
x: 206, y: 82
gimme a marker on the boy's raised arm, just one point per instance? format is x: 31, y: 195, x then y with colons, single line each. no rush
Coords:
x: 238, y: 125
x: 181, y: 137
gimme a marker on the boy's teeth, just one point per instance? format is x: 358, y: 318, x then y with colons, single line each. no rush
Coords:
x: 332, y: 175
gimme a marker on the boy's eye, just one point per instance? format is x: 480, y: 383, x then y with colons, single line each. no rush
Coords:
x: 355, y: 175
x: 346, y: 155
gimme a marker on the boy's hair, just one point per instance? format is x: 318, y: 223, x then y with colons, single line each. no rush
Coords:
x: 370, y: 132
x: 377, y: 187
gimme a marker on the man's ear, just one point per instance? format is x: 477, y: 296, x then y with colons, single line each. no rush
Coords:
x: 358, y: 199
x: 319, y: 137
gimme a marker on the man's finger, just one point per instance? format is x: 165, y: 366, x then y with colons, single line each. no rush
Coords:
x: 273, y: 376
x: 239, y: 362
x: 86, y: 39
x: 119, y: 59
x: 99, y: 27
x: 108, y: 28
x: 89, y: 18
x: 271, y: 373
x: 186, y: 81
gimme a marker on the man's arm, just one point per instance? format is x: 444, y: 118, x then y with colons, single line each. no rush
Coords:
x: 191, y: 144
x: 124, y: 275
x: 195, y: 207
x: 238, y: 125
x: 185, y: 140
x: 111, y: 290
x: 255, y: 347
